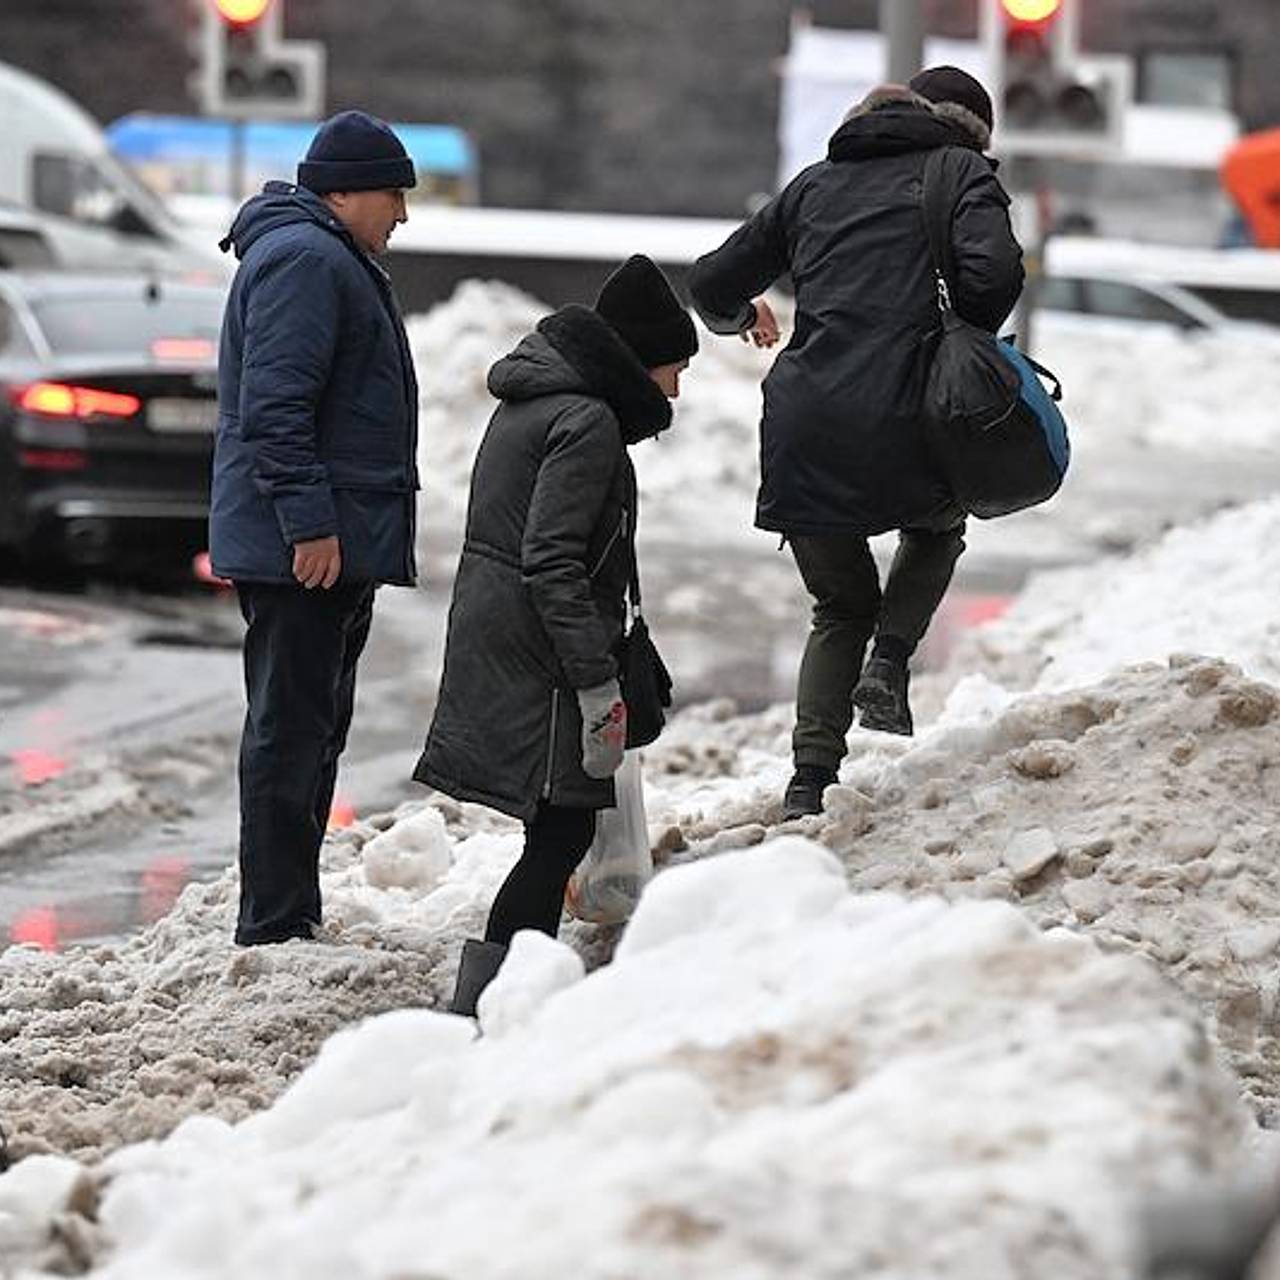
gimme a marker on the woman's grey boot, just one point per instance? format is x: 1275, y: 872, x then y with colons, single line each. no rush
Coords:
x: 480, y: 963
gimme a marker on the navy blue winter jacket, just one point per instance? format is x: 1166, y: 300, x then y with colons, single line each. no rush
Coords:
x: 318, y: 404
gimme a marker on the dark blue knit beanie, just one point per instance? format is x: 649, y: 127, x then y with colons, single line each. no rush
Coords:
x: 354, y: 151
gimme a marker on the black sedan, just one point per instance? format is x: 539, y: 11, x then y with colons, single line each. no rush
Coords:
x: 107, y: 413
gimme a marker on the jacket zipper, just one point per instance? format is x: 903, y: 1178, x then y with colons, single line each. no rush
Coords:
x: 608, y: 546
x: 551, y: 744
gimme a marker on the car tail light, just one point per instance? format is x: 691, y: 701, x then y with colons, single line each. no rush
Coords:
x: 183, y: 350
x: 59, y: 400
x: 53, y: 459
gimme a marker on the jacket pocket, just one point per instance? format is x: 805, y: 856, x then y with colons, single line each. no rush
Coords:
x: 368, y: 450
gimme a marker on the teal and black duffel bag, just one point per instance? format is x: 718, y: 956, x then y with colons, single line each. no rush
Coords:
x: 995, y: 429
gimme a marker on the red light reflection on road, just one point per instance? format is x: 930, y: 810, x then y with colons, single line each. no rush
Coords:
x: 973, y: 611
x: 35, y: 766
x: 162, y: 881
x: 37, y: 927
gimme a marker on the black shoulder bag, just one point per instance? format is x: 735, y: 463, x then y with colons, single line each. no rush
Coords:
x: 643, y: 676
x: 997, y: 434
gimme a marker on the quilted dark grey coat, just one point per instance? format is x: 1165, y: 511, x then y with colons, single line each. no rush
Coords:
x: 539, y: 600
x: 842, y: 448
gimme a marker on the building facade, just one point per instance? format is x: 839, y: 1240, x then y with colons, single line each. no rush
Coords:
x: 647, y: 106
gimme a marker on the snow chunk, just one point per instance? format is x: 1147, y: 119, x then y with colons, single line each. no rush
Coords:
x: 785, y: 882
x: 414, y: 853
x: 360, y: 1072
x: 32, y: 1193
x: 1029, y: 852
x: 536, y: 967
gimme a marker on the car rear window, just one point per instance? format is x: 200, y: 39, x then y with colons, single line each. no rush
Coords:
x: 91, y: 325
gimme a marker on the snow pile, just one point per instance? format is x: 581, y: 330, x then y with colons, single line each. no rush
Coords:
x: 772, y: 1078
x: 1120, y: 384
x: 1143, y: 810
x: 709, y: 452
x: 1203, y: 588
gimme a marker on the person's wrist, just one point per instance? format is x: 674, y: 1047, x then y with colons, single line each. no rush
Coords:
x: 605, y: 694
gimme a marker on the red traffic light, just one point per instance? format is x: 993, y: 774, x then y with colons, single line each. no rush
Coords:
x: 1031, y: 12
x: 241, y: 13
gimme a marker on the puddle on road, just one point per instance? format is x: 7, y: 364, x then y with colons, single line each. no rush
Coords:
x: 69, y: 920
x: 137, y: 899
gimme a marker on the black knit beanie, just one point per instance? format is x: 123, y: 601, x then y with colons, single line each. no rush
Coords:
x: 353, y: 151
x: 640, y: 306
x: 950, y: 84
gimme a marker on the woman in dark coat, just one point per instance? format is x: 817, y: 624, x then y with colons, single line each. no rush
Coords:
x: 530, y: 719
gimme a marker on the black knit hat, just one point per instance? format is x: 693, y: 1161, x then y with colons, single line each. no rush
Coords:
x: 353, y: 151
x: 641, y: 308
x: 950, y: 84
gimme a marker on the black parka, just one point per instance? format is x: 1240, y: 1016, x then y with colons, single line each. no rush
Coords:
x: 539, y: 600
x: 841, y: 445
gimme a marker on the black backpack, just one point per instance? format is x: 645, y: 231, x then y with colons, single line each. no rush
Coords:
x: 997, y: 434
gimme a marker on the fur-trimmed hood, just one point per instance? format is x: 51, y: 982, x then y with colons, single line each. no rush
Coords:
x: 575, y: 350
x: 892, y: 119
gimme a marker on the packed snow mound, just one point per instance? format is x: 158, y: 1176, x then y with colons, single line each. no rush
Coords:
x: 772, y: 1078
x: 1143, y: 810
x: 1203, y: 588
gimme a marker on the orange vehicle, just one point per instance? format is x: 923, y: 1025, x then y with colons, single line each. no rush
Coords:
x: 1251, y: 175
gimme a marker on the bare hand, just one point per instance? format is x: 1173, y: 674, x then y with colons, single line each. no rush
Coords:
x: 317, y: 563
x: 765, y: 332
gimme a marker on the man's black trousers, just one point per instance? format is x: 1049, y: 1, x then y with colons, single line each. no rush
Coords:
x: 300, y: 655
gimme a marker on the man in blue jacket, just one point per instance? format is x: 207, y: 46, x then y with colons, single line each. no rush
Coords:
x: 314, y: 485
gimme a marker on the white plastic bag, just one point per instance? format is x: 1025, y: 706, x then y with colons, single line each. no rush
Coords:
x: 609, y: 880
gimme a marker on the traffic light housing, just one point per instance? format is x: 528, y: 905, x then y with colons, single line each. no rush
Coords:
x: 1051, y: 100
x: 249, y: 71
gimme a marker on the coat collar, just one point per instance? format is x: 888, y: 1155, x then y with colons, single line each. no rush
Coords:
x: 891, y: 120
x: 609, y: 369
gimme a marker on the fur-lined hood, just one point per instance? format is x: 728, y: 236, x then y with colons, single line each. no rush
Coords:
x: 574, y: 350
x: 893, y: 119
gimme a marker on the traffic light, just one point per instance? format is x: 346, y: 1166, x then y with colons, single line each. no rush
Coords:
x: 1052, y: 100
x: 247, y: 68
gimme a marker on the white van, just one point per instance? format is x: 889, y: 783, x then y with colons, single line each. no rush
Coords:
x: 56, y: 166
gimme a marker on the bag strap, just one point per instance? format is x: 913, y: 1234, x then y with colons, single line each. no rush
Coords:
x: 1056, y: 393
x: 632, y: 517
x: 938, y: 213
x: 633, y: 587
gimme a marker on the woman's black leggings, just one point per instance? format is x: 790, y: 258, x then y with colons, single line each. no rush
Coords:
x: 532, y: 896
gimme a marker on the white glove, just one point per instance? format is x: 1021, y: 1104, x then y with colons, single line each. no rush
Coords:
x: 604, y: 729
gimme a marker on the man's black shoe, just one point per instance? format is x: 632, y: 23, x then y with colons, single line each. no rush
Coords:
x: 804, y: 791
x: 881, y: 696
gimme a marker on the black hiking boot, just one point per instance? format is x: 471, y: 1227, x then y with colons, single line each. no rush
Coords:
x: 804, y: 792
x: 478, y: 967
x: 881, y: 697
